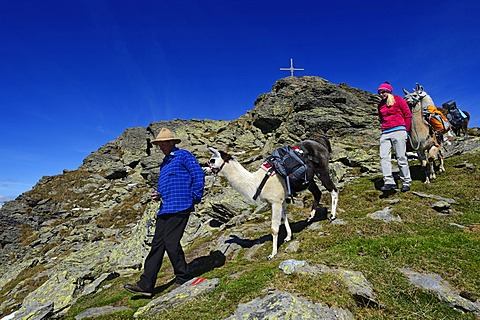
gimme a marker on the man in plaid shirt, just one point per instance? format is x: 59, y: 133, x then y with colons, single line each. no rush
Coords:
x: 180, y: 186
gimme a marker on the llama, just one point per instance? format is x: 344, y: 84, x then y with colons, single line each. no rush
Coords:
x: 423, y: 141
x: 316, y: 155
x: 463, y: 126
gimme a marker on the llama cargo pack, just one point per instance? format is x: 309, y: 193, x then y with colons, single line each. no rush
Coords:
x: 456, y: 115
x: 437, y: 120
x: 288, y: 162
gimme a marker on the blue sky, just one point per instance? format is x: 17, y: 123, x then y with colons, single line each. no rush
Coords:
x: 75, y: 74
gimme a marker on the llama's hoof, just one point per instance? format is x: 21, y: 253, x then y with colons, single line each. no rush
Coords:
x: 331, y: 219
x: 288, y: 238
x: 270, y: 257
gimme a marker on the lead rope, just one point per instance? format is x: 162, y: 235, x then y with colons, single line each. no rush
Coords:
x: 413, y: 125
x: 211, y: 186
x: 418, y: 140
x: 215, y: 174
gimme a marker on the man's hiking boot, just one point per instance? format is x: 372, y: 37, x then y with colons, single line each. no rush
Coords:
x: 388, y: 187
x: 405, y: 188
x: 135, y: 288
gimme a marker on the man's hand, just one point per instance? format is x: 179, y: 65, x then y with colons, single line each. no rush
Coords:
x: 155, y: 196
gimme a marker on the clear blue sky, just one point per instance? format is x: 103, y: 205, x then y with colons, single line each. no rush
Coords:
x: 75, y: 74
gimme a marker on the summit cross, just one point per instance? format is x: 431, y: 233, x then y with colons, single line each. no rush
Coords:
x: 292, y: 68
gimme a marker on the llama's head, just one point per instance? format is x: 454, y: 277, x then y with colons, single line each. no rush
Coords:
x: 417, y: 95
x: 218, y: 159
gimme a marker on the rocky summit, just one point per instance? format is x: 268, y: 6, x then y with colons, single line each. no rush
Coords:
x: 74, y: 231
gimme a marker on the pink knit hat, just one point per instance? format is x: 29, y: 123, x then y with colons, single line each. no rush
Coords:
x: 385, y: 87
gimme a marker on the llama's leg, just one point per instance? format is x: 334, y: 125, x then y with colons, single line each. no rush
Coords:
x: 426, y: 169
x: 317, y: 195
x: 330, y: 186
x: 440, y: 160
x: 432, y: 155
x: 431, y: 166
x: 448, y: 138
x: 423, y: 161
x: 285, y: 221
x: 276, y: 221
x: 334, y: 195
x: 464, y: 126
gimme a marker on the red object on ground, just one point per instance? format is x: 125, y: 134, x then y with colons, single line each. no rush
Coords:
x: 197, y: 281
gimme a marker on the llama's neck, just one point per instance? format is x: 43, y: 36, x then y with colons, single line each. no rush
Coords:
x: 417, y: 114
x: 419, y: 127
x: 245, y: 182
x: 427, y: 101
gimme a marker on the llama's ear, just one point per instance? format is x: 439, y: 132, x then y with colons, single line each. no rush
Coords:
x: 418, y: 87
x: 405, y: 91
x: 213, y: 151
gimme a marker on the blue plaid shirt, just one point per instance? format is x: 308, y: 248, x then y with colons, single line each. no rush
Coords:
x: 181, y: 182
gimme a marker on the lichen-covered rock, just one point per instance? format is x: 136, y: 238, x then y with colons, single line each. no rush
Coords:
x: 100, y: 311
x: 14, y: 270
x: 285, y: 306
x: 441, y: 206
x: 359, y: 287
x: 433, y: 196
x: 186, y: 292
x: 357, y: 284
x: 132, y: 247
x: 58, y: 291
x: 384, y: 215
x: 36, y: 311
x: 443, y: 290
x: 296, y: 266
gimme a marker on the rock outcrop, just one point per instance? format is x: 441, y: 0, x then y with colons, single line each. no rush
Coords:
x: 283, y: 305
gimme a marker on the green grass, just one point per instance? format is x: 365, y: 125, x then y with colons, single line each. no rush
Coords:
x: 424, y: 241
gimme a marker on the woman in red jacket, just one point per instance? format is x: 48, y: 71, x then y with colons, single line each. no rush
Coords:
x: 396, y: 119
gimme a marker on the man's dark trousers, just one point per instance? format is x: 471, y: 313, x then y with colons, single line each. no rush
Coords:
x: 169, y: 230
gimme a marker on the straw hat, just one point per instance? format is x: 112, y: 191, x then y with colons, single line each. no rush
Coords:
x: 165, y: 135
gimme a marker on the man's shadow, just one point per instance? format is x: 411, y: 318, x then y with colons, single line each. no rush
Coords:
x: 201, y: 265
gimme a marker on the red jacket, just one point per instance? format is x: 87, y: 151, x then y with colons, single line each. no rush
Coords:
x: 397, y: 115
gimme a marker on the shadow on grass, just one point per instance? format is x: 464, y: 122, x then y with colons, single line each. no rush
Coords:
x: 320, y: 214
x: 417, y: 173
